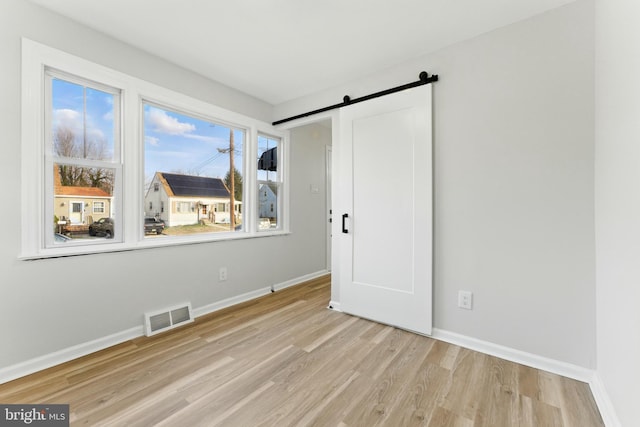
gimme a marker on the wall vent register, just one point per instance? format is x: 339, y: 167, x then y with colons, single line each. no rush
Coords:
x: 166, y: 319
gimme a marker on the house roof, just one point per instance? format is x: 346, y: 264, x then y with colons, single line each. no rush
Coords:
x: 194, y: 186
x: 73, y: 190
x: 68, y: 190
x: 271, y: 185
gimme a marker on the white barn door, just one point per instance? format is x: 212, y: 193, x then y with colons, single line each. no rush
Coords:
x: 384, y: 218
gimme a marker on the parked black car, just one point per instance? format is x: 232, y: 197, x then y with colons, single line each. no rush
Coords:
x: 102, y: 227
x: 153, y: 225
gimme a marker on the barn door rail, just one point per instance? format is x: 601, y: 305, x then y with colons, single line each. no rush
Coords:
x: 424, y: 78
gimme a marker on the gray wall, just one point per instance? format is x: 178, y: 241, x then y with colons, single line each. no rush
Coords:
x: 618, y: 203
x: 308, y: 165
x: 53, y: 304
x: 514, y: 181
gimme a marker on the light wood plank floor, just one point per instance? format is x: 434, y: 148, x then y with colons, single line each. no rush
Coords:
x: 286, y: 360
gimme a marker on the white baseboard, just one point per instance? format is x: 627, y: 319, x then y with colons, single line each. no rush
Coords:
x: 43, y: 362
x: 603, y: 402
x: 600, y: 395
x: 529, y: 359
x: 228, y: 302
x: 219, y: 305
x: 299, y: 280
x: 47, y: 361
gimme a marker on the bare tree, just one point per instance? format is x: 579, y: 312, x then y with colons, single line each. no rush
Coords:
x: 100, y: 178
x: 66, y: 144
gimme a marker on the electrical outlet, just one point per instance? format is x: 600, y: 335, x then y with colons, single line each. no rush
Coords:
x: 222, y: 274
x: 465, y: 299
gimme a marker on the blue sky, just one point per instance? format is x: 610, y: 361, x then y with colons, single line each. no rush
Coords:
x: 173, y: 142
x: 68, y: 111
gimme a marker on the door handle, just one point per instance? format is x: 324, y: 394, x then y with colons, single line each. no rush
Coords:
x: 344, y: 228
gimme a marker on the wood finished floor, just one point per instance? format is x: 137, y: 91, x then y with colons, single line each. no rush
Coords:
x: 286, y: 360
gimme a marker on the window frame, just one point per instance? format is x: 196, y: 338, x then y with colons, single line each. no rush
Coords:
x: 280, y: 182
x: 101, y: 210
x: 51, y: 159
x: 128, y: 197
x: 244, y: 167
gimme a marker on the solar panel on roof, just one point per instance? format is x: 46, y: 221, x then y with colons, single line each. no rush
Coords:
x: 201, y: 186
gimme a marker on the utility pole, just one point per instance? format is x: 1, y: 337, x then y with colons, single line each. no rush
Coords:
x: 232, y: 186
x: 232, y: 178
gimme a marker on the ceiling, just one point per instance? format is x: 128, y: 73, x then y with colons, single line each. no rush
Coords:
x: 278, y: 50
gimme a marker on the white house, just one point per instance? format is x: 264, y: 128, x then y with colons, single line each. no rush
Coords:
x: 268, y: 201
x: 186, y: 199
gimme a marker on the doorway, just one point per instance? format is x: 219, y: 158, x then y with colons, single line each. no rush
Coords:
x: 311, y: 164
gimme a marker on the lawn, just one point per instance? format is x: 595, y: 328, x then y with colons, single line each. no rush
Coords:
x: 180, y: 230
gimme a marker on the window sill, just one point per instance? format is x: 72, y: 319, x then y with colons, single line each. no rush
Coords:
x: 146, y: 243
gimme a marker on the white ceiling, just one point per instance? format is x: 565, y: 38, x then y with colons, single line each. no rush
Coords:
x: 278, y: 50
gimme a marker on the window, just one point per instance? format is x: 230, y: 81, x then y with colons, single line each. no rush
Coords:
x: 270, y: 182
x: 82, y: 149
x: 183, y: 207
x: 200, y: 176
x: 98, y: 207
x: 83, y: 124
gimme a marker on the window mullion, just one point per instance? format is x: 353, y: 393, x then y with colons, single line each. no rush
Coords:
x: 251, y: 212
x: 132, y: 147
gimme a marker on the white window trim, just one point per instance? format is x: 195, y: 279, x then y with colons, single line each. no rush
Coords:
x: 281, y: 182
x: 103, y: 208
x: 36, y: 58
x: 115, y: 163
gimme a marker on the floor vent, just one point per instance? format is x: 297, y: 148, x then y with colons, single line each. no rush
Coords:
x: 168, y: 318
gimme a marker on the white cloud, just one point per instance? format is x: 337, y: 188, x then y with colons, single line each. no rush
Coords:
x: 151, y: 140
x: 70, y: 119
x: 95, y: 134
x: 163, y: 123
x: 203, y: 138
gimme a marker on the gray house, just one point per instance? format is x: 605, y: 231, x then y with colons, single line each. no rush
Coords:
x: 267, y: 203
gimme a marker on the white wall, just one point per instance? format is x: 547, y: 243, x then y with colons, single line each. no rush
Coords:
x: 49, y: 305
x: 618, y: 203
x: 514, y: 181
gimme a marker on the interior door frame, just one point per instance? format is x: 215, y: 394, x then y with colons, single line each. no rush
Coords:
x: 333, y: 117
x: 329, y: 201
